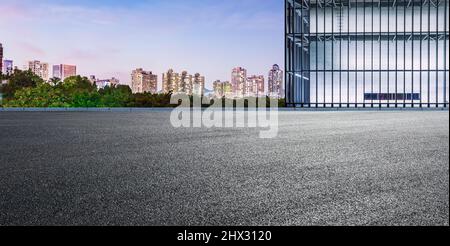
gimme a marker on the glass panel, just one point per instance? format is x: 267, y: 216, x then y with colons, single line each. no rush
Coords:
x: 408, y: 55
x: 400, y: 54
x: 416, y: 59
x: 328, y: 87
x: 400, y: 19
x: 352, y: 91
x: 353, y: 19
x: 344, y: 91
x: 376, y: 53
x: 313, y: 88
x: 313, y: 53
x: 392, y: 55
x: 320, y: 87
x: 384, y: 55
x: 432, y: 56
x: 328, y: 55
x: 409, y: 21
x: 416, y: 18
x: 441, y: 54
x: 336, y: 55
x: 313, y: 22
x: 384, y: 19
x: 344, y: 57
x: 320, y: 55
x: 368, y: 55
x: 424, y: 87
x: 425, y: 17
x: 416, y: 78
x: 352, y: 55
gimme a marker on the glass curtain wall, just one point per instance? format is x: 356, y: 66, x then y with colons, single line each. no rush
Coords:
x: 367, y: 53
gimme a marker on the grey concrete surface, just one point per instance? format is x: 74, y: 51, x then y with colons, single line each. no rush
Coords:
x: 133, y: 168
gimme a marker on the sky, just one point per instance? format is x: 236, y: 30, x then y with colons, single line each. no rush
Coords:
x: 110, y: 38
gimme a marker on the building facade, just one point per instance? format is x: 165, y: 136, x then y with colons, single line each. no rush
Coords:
x: 222, y: 89
x: 183, y: 83
x: 170, y: 81
x: 1, y: 57
x: 41, y: 69
x: 63, y: 71
x: 254, y: 87
x: 367, y: 53
x: 144, y: 81
x: 238, y: 81
x: 276, y: 82
x: 8, y: 67
x: 198, y: 84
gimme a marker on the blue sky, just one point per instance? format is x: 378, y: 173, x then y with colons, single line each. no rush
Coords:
x: 110, y: 37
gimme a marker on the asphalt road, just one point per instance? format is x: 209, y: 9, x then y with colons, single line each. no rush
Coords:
x: 324, y: 168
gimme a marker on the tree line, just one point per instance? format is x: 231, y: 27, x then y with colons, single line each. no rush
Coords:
x: 26, y: 89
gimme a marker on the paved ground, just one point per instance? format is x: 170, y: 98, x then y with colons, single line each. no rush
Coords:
x: 325, y: 168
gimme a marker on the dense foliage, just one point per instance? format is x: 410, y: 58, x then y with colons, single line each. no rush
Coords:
x: 25, y: 89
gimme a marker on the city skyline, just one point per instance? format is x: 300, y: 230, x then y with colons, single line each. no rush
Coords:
x: 97, y: 36
x: 147, y: 81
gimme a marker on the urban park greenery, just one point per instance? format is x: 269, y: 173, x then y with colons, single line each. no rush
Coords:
x: 25, y: 89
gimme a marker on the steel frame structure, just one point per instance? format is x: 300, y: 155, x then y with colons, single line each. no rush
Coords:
x: 352, y: 53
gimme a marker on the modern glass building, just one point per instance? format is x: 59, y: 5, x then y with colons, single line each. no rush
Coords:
x: 367, y: 53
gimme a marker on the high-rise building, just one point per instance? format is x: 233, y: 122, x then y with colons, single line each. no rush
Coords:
x: 63, y: 71
x: 183, y: 83
x: 222, y: 89
x: 366, y: 53
x: 39, y: 68
x: 170, y: 82
x: 8, y: 67
x: 275, y: 82
x: 254, y: 86
x: 238, y: 80
x: 144, y: 81
x: 198, y: 84
x: 1, y: 57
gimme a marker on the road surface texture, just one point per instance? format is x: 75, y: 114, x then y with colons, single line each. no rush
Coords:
x: 134, y: 168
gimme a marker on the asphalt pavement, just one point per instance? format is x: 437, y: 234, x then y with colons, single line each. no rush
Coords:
x: 134, y: 168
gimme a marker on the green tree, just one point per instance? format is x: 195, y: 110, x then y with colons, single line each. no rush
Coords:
x: 118, y: 96
x: 55, y: 81
x: 18, y: 80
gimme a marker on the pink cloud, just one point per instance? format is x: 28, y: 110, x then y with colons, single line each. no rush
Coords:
x: 31, y: 49
x: 13, y: 12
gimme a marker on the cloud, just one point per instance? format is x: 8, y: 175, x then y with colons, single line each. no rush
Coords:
x: 76, y: 14
x: 13, y: 12
x: 30, y: 49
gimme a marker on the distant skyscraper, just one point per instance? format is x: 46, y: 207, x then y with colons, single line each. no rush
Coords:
x: 39, y: 68
x: 222, y: 89
x: 63, y: 71
x: 1, y: 57
x: 238, y: 80
x: 144, y: 81
x: 171, y: 81
x: 183, y: 83
x: 198, y: 84
x: 276, y: 87
x: 254, y: 87
x: 8, y: 67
